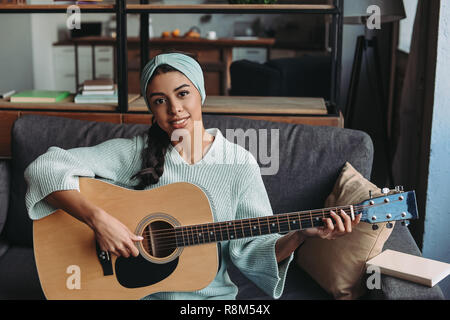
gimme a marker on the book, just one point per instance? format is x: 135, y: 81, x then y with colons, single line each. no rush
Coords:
x: 99, y: 92
x: 104, y: 98
x: 98, y: 84
x: 39, y: 96
x: 5, y: 94
x: 409, y: 267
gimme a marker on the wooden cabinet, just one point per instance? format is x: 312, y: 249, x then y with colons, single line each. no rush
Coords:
x: 72, y: 65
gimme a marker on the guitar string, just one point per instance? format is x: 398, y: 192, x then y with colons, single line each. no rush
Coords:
x: 311, y: 213
x: 171, y: 239
x: 171, y: 242
x: 172, y: 234
x: 220, y: 226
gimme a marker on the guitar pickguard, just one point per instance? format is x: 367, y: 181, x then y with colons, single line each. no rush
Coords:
x: 137, y: 272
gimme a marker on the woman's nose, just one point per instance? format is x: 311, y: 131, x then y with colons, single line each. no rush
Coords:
x: 175, y: 107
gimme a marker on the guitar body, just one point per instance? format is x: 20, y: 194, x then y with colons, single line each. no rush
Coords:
x: 67, y: 257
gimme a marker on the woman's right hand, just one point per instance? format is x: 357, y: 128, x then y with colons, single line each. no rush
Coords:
x: 113, y: 236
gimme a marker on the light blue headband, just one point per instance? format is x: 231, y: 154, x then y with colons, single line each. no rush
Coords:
x: 183, y: 63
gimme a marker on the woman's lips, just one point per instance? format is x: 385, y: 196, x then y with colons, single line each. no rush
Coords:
x: 180, y: 123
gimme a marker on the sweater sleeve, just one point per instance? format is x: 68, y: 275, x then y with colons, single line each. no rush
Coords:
x: 255, y: 257
x: 59, y: 169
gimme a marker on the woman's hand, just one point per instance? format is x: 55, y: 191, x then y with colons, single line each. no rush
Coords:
x: 113, y: 236
x: 329, y: 230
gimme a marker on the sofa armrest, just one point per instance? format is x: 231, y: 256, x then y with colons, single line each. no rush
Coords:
x: 4, y: 191
x: 5, y: 178
x: 397, y: 289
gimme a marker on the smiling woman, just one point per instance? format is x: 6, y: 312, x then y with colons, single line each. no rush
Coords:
x: 173, y: 87
x: 175, y: 102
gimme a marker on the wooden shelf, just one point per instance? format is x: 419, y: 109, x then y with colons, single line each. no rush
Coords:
x: 64, y: 105
x: 55, y: 8
x: 193, y: 42
x: 239, y: 105
x: 154, y: 8
x: 232, y: 8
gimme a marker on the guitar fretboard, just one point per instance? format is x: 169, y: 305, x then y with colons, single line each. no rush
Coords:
x: 238, y: 229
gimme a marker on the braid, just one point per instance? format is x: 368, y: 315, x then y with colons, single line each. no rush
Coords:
x: 153, y: 157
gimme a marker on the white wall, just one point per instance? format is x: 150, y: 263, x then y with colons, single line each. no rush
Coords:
x: 16, y: 63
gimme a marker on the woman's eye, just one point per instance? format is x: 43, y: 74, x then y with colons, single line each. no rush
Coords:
x: 184, y: 93
x: 158, y: 101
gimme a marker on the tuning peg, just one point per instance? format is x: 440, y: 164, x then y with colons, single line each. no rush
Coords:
x: 405, y: 223
x: 374, y: 227
x: 389, y: 225
x: 385, y: 190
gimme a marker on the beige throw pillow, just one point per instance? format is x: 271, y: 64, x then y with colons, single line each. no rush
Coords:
x: 339, y: 265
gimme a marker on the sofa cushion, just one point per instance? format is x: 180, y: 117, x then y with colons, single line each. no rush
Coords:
x: 339, y: 265
x: 19, y: 278
x: 306, y: 160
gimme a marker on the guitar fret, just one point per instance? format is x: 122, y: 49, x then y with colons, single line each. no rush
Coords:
x: 179, y: 237
x: 209, y: 232
x: 241, y: 229
x: 284, y: 225
x: 194, y: 234
x: 255, y: 230
x: 201, y: 238
x: 246, y: 228
x: 233, y: 235
x: 224, y: 232
x: 185, y: 237
x: 191, y: 235
x: 273, y: 224
x: 264, y: 226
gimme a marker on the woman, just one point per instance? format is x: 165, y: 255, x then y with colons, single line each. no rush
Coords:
x: 176, y: 148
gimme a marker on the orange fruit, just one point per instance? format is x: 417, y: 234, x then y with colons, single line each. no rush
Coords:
x: 176, y: 32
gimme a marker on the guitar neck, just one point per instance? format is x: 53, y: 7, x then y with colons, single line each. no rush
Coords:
x: 246, y: 228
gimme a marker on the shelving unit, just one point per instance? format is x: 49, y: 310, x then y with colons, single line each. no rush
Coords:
x: 121, y: 9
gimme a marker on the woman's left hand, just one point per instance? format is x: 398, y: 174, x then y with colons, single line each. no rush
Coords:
x: 332, y: 231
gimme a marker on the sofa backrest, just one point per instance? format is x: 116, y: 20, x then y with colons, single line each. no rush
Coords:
x: 310, y: 157
x: 4, y: 191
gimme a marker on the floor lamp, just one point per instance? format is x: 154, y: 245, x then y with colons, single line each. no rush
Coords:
x: 369, y: 13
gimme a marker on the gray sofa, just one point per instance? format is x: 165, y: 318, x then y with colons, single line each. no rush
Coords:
x: 310, y: 161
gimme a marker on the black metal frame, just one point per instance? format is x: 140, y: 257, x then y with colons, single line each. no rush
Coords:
x: 121, y: 12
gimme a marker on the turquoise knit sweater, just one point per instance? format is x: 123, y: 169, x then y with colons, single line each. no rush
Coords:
x: 228, y: 174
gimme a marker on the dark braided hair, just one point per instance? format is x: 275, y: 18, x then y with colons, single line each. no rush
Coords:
x: 153, y: 155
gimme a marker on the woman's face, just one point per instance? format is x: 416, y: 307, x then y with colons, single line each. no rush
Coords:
x: 175, y: 102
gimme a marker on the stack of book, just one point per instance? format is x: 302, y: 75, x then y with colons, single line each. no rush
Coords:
x: 98, y: 91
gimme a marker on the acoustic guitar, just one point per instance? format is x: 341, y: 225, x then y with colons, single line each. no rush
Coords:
x: 179, y: 251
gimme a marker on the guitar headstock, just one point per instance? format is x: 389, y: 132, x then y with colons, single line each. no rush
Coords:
x: 399, y: 206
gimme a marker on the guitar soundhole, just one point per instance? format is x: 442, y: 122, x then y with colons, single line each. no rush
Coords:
x: 159, y: 239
